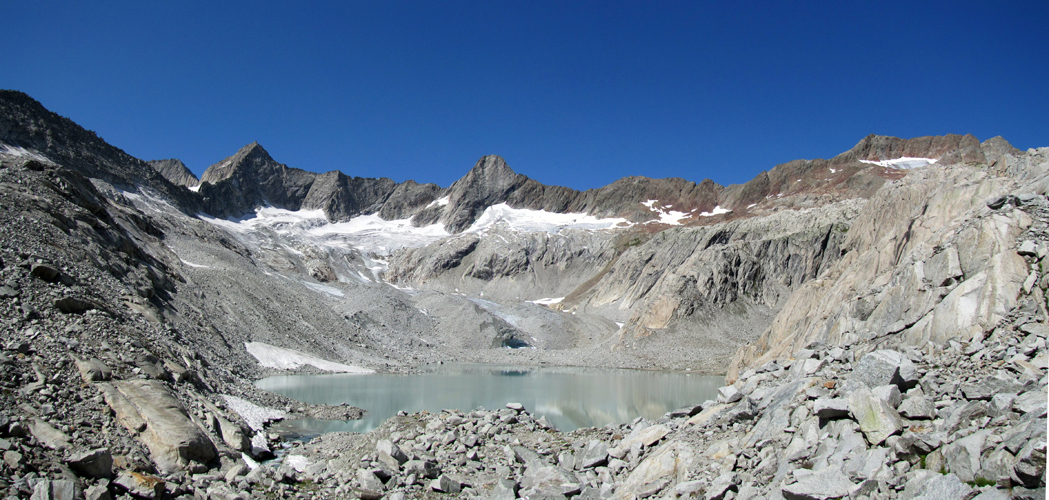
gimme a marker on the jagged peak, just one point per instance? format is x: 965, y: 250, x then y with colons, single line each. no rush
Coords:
x: 226, y: 168
x: 492, y: 165
x: 253, y: 149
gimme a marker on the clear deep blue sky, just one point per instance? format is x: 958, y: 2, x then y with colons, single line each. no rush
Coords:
x: 570, y: 93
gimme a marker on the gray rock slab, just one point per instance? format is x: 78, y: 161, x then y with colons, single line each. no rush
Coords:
x: 666, y: 465
x: 881, y: 368
x: 963, y: 455
x: 1032, y: 403
x: 504, y: 489
x: 823, y: 485
x: 390, y: 454
x: 918, y: 408
x: 550, y: 478
x: 595, y: 454
x: 95, y: 463
x: 1030, y: 463
x: 888, y: 393
x: 445, y: 484
x: 647, y: 436
x: 1028, y: 249
x: 149, y: 411
x: 987, y: 387
x: 876, y: 418
x: 422, y: 468
x: 729, y: 394
x: 942, y: 487
x: 368, y: 480
x: 49, y: 436
x: 93, y: 370
x: 56, y: 490
x: 721, y: 485
x: 831, y: 408
x: 684, y: 412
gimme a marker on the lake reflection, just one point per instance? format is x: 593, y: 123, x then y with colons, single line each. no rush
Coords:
x: 569, y: 397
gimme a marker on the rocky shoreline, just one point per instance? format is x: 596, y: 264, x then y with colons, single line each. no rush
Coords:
x: 960, y: 420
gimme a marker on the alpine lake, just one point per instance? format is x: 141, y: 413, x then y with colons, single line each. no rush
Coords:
x: 569, y: 397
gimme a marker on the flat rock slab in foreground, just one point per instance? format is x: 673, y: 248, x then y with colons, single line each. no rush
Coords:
x: 820, y: 486
x: 149, y: 411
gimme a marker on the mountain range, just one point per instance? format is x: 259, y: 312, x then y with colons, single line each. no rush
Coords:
x: 168, y: 295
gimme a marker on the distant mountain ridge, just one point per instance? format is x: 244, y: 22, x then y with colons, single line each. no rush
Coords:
x: 251, y: 178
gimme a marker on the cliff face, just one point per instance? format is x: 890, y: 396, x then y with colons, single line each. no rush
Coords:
x: 931, y: 257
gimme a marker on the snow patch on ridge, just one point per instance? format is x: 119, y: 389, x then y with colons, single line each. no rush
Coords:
x: 271, y: 356
x: 669, y: 217
x: 905, y: 163
x: 526, y: 220
x: 368, y: 233
x: 717, y: 211
x: 440, y: 202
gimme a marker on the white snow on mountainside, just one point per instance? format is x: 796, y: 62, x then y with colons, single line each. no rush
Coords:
x: 368, y: 233
x: 717, y: 211
x: 525, y: 220
x: 372, y: 235
x: 905, y: 163
x: 287, y: 359
x: 669, y: 217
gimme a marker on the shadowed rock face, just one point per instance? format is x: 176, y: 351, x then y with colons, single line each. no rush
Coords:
x: 250, y: 179
x: 175, y: 171
x: 27, y: 124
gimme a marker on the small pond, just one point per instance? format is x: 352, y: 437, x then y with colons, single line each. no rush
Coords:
x: 569, y: 397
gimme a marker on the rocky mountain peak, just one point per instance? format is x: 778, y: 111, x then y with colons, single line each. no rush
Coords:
x: 490, y: 173
x: 253, y: 160
x: 252, y: 178
x: 997, y: 146
x: 948, y: 149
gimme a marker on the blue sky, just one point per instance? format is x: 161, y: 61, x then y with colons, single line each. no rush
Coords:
x: 570, y: 93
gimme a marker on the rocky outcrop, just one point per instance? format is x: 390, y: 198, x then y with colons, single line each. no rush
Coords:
x: 925, y: 261
x: 49, y: 138
x: 146, y: 408
x: 948, y: 149
x: 175, y: 171
x: 249, y: 179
